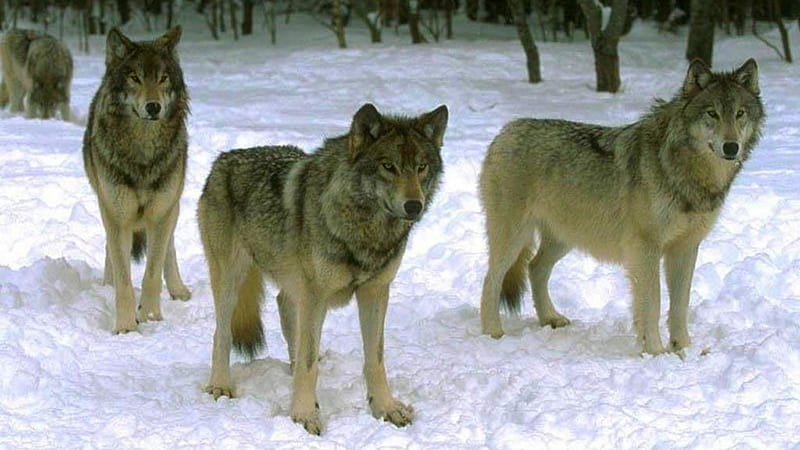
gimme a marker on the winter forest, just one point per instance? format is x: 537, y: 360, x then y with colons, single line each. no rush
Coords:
x: 294, y: 72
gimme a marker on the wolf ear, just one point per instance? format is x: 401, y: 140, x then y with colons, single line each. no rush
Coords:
x: 170, y: 39
x: 434, y: 124
x: 697, y: 77
x: 365, y: 129
x: 117, y: 45
x: 747, y: 76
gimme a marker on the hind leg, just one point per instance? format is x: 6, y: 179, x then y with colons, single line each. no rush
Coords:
x: 227, y: 273
x: 504, y: 247
x: 16, y: 94
x: 177, y: 290
x: 288, y: 315
x: 541, y: 266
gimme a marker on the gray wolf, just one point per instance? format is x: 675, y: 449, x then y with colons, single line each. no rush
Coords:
x: 134, y: 153
x: 628, y: 195
x: 37, y: 72
x: 322, y: 226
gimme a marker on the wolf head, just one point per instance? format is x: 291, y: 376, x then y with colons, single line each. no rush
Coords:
x: 398, y: 158
x: 724, y: 109
x: 145, y: 77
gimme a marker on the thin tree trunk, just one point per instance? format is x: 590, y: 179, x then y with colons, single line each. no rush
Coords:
x: 448, y: 18
x: 338, y: 23
x: 526, y: 39
x: 232, y: 13
x: 170, y: 13
x: 247, y: 17
x: 776, y: 13
x: 413, y: 23
x: 700, y: 44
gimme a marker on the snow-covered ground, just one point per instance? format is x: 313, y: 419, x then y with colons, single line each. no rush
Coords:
x: 67, y: 382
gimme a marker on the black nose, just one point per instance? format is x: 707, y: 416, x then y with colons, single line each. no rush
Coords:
x: 152, y: 108
x: 730, y: 149
x: 413, y: 208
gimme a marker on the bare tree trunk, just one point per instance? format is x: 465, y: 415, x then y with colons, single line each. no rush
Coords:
x: 232, y: 13
x: 2, y: 14
x: 371, y: 18
x: 700, y: 44
x: 247, y: 17
x: 663, y: 10
x: 289, y: 11
x: 605, y: 42
x: 221, y: 10
x: 526, y: 39
x: 273, y: 27
x: 777, y: 15
x: 170, y: 13
x: 338, y: 23
x: 211, y: 19
x: 448, y: 18
x: 413, y: 23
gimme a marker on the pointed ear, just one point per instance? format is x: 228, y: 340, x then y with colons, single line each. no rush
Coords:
x: 697, y: 77
x: 434, y: 124
x: 747, y: 76
x: 117, y: 45
x: 365, y: 129
x: 170, y: 39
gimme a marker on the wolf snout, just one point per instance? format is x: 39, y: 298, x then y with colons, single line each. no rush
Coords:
x: 730, y: 150
x: 153, y: 109
x: 412, y: 208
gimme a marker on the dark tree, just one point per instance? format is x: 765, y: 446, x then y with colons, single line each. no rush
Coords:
x: 526, y: 39
x: 247, y: 17
x: 605, y: 42
x: 700, y: 44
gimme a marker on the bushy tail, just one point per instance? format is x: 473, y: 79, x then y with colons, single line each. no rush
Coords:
x: 139, y: 245
x: 246, y: 326
x: 514, y: 283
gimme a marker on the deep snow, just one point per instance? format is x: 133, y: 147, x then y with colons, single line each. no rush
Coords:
x: 66, y: 381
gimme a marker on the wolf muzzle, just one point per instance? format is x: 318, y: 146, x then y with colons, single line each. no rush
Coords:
x: 730, y: 150
x: 153, y: 109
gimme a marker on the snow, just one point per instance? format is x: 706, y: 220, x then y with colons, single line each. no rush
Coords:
x: 67, y: 382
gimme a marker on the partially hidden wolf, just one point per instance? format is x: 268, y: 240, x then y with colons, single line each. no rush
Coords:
x: 629, y: 195
x: 134, y: 152
x: 37, y: 73
x: 322, y: 226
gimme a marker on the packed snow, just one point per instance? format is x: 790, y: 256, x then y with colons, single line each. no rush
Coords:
x: 67, y: 382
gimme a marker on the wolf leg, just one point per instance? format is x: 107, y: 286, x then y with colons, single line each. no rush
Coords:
x: 227, y: 271
x: 158, y: 237
x: 642, y: 264
x: 505, y: 246
x: 119, y: 241
x: 311, y: 311
x: 679, y: 263
x: 65, y: 112
x: 288, y: 314
x: 550, y: 251
x: 16, y: 93
x: 372, y: 302
x: 108, y: 269
x: 177, y: 290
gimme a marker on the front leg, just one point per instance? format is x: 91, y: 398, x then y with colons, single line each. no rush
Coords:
x: 308, y: 329
x: 118, y: 244
x: 372, y: 302
x: 679, y: 263
x: 642, y: 263
x: 158, y: 238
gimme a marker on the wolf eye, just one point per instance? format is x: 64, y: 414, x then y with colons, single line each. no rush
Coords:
x: 739, y: 113
x: 135, y: 79
x: 163, y: 78
x: 422, y: 168
x: 389, y: 167
x: 713, y: 114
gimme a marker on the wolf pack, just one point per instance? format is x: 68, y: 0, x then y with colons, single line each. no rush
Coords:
x: 332, y: 224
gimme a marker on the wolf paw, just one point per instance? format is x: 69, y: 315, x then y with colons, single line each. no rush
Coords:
x: 310, y: 422
x: 396, y: 413
x: 554, y: 321
x: 149, y: 314
x: 125, y: 328
x: 678, y: 343
x: 181, y: 293
x: 219, y: 391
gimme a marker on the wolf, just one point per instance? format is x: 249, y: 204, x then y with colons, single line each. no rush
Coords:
x: 322, y: 226
x: 37, y: 73
x: 630, y: 195
x: 134, y: 153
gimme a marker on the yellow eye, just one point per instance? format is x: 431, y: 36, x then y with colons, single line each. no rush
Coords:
x: 389, y: 167
x: 713, y: 114
x: 135, y: 79
x: 739, y: 113
x: 422, y: 168
x: 163, y: 78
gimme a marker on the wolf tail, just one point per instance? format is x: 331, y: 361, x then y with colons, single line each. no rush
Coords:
x: 246, y: 326
x: 139, y: 245
x: 514, y: 283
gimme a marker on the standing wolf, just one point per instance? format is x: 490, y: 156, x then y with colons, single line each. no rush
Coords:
x: 37, y: 72
x: 323, y: 227
x: 628, y: 195
x: 134, y: 152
